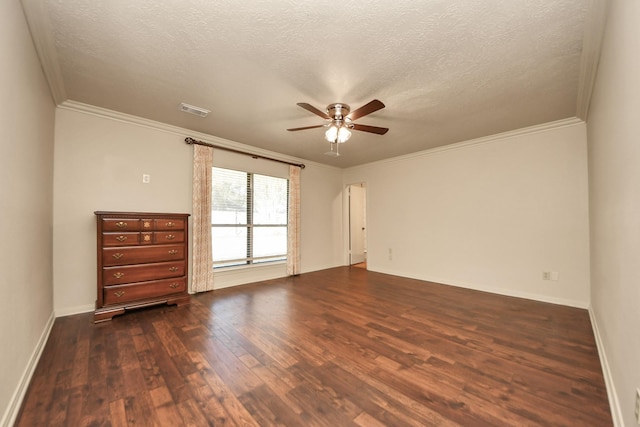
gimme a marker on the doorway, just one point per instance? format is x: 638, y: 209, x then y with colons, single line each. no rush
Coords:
x: 357, y: 224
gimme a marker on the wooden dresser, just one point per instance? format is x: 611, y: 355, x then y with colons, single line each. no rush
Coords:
x: 142, y: 260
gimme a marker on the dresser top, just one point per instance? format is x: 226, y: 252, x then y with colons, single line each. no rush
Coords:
x: 141, y: 214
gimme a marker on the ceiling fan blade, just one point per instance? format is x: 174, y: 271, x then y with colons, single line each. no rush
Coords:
x: 369, y: 108
x: 372, y: 129
x: 306, y: 127
x: 313, y: 110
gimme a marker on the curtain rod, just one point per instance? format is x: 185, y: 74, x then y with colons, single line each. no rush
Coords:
x: 192, y: 141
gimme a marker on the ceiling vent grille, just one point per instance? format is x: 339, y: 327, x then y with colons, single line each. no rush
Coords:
x: 202, y: 112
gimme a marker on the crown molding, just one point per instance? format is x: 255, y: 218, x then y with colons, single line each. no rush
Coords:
x: 182, y: 132
x: 544, y: 127
x: 590, y: 59
x: 40, y: 28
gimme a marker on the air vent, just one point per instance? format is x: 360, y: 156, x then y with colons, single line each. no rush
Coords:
x: 202, y: 112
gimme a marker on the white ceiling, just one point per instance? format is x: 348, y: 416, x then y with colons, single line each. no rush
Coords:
x: 448, y: 71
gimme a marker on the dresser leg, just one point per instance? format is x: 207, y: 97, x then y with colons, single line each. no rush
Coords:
x: 103, y: 315
x: 181, y: 301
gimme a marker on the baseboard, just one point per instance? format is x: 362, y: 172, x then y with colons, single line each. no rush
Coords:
x: 10, y: 415
x: 311, y: 269
x: 69, y: 311
x: 227, y: 278
x: 614, y: 403
x: 493, y: 290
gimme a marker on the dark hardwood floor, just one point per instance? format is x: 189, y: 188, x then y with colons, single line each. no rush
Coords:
x: 339, y: 347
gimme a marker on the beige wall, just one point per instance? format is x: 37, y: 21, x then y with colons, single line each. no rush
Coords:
x: 26, y: 168
x: 614, y: 180
x: 99, y: 162
x: 490, y: 216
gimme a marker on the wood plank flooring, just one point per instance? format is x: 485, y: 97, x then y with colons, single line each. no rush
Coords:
x: 339, y: 347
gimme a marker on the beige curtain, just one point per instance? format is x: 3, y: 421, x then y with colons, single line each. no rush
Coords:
x: 202, y: 279
x: 293, y: 227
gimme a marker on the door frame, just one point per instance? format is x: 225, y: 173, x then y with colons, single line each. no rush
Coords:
x: 348, y: 237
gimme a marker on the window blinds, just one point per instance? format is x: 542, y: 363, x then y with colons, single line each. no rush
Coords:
x: 249, y: 218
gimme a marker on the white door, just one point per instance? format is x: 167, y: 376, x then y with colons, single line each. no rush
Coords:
x: 357, y: 223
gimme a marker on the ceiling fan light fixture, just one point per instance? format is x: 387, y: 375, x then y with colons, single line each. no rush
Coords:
x: 332, y: 133
x: 337, y: 133
x: 343, y: 134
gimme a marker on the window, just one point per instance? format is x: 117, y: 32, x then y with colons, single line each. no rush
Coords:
x: 249, y: 218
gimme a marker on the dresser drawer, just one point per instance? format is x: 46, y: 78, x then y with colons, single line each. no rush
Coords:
x: 120, y: 224
x: 168, y: 236
x: 169, y: 224
x: 141, y: 255
x: 139, y: 273
x: 137, y: 291
x: 120, y: 239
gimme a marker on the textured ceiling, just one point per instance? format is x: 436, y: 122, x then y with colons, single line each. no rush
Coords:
x: 448, y: 71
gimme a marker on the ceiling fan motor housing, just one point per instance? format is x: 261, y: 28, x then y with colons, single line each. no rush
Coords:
x: 338, y: 111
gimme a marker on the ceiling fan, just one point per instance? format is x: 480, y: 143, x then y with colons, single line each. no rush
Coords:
x: 340, y: 122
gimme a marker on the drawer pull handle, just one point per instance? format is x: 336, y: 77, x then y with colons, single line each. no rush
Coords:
x: 146, y: 224
x: 170, y: 224
x: 118, y: 275
x: 117, y: 256
x: 170, y: 237
x: 173, y: 269
x: 173, y: 252
x: 174, y: 285
x: 121, y: 224
x: 121, y: 238
x: 118, y: 294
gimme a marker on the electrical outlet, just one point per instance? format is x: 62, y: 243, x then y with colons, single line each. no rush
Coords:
x: 546, y: 275
x: 638, y: 405
x: 146, y: 178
